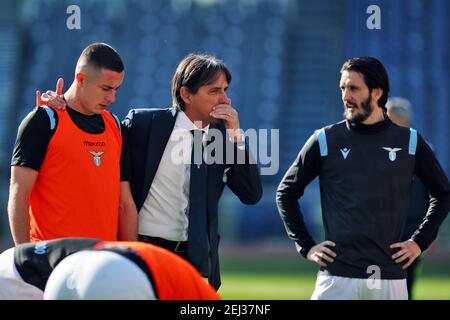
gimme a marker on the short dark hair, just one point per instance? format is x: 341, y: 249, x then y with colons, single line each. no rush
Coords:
x: 194, y: 71
x: 102, y: 56
x: 374, y: 74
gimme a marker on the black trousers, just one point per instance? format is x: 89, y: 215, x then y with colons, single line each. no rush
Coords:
x: 177, y: 247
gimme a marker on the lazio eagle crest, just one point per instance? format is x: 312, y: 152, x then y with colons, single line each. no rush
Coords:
x: 97, y: 159
x: 392, y: 152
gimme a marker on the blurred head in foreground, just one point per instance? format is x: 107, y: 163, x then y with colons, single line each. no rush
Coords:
x: 98, y: 275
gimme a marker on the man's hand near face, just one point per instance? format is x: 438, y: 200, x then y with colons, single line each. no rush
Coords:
x: 230, y: 117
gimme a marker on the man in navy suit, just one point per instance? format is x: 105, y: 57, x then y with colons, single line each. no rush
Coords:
x: 156, y: 144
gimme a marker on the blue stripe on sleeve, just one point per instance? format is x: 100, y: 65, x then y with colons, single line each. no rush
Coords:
x: 51, y: 116
x: 412, y: 141
x: 323, y: 143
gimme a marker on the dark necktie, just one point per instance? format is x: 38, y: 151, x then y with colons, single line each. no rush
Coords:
x: 197, y: 230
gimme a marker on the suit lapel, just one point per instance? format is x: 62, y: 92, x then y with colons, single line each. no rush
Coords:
x: 161, y: 129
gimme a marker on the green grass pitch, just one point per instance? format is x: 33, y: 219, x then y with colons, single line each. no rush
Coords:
x: 293, y: 278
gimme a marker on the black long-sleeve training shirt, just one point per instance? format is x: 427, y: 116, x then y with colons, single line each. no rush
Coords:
x: 365, y: 174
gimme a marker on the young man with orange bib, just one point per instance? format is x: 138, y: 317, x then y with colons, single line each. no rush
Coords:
x: 65, y: 172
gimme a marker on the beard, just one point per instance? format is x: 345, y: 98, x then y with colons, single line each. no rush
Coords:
x: 365, y: 111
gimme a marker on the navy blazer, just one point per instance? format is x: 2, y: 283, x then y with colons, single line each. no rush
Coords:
x: 145, y: 133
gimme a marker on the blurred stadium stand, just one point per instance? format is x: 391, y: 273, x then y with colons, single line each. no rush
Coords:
x: 284, y: 55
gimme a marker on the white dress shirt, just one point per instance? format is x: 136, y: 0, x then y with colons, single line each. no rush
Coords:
x: 165, y: 210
